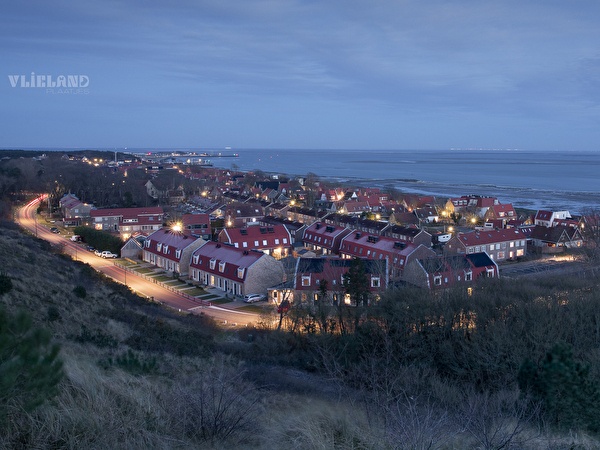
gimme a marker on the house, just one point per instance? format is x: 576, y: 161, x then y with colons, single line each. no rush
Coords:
x: 243, y: 214
x: 132, y: 249
x: 128, y: 221
x: 547, y: 218
x: 555, y: 239
x: 197, y: 224
x: 500, y: 245
x: 398, y: 253
x: 470, y: 204
x: 502, y: 212
x: 170, y: 251
x: 448, y: 271
x: 305, y: 215
x: 274, y: 240
x: 354, y: 208
x: 322, y: 279
x: 356, y: 223
x: 296, y: 229
x: 427, y: 214
x: 234, y: 270
x: 413, y: 235
x: 73, y: 210
x: 323, y: 238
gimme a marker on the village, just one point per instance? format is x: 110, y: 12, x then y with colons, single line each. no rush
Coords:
x: 295, y: 239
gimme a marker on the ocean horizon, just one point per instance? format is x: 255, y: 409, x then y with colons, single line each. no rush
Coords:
x: 554, y: 180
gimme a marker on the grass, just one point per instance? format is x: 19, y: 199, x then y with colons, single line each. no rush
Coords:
x: 143, y: 270
x: 195, y: 292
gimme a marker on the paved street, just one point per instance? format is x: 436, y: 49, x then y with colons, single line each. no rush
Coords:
x: 227, y: 314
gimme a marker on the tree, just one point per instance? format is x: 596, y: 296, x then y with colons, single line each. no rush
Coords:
x: 30, y: 368
x: 569, y: 396
x: 356, y: 282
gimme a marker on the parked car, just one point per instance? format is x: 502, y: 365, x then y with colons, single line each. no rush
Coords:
x: 55, y: 230
x: 97, y: 253
x: 252, y: 298
x: 107, y: 254
x: 75, y: 238
x: 90, y: 248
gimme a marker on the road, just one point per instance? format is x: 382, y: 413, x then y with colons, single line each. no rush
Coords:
x: 27, y: 217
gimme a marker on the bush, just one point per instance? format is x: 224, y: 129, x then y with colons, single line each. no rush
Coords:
x: 80, y: 291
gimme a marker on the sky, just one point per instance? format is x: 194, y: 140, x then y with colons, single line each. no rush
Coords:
x: 293, y: 74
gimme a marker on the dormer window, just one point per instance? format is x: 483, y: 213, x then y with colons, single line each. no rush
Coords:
x: 178, y: 253
x: 147, y: 243
x: 166, y: 249
x: 196, y: 258
x: 158, y: 247
x: 240, y: 272
x: 213, y: 263
x: 222, y: 266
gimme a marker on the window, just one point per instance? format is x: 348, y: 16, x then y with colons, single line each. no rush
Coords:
x: 276, y: 241
x: 437, y: 280
x: 375, y: 282
x: 468, y: 276
x: 256, y: 243
x: 158, y: 247
x: 285, y: 240
x: 305, y: 280
x: 213, y: 262
x: 491, y: 247
x: 245, y: 244
x: 236, y: 245
x: 512, y: 244
x: 264, y: 242
x: 166, y: 249
x: 240, y: 272
x: 222, y: 266
x: 490, y: 273
x: 147, y: 243
x: 178, y: 253
x: 520, y: 252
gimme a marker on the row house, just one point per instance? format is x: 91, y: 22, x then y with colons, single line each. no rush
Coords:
x: 170, y: 251
x: 324, y: 238
x: 240, y: 215
x: 475, y: 204
x: 500, y: 245
x: 277, y: 209
x: 305, y: 215
x: 197, y: 224
x: 128, y: 221
x: 296, y: 229
x: 414, y: 201
x: 413, y: 235
x: 370, y: 246
x: 555, y: 239
x: 448, y: 271
x: 233, y: 270
x: 356, y: 223
x: 501, y: 213
x: 322, y: 279
x: 73, y: 210
x: 546, y: 218
x: 354, y: 208
x: 274, y: 240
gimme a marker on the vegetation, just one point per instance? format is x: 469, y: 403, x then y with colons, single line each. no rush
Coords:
x: 510, y: 364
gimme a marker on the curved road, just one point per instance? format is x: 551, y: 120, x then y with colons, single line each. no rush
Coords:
x: 27, y: 218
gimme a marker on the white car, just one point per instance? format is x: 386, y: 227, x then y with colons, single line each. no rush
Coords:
x: 107, y: 254
x: 252, y: 298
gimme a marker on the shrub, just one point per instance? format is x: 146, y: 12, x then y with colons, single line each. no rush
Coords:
x: 80, y: 291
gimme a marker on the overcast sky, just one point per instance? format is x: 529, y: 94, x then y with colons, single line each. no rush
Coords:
x: 282, y: 74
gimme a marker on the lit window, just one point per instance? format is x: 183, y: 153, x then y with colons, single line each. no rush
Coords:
x: 305, y: 280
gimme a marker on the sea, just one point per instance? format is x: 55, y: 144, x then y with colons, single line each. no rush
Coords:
x: 552, y: 180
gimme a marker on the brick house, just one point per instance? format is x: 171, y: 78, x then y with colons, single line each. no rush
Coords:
x: 413, y: 235
x: 128, y: 221
x: 197, y: 224
x: 503, y: 213
x: 555, y: 239
x: 448, y: 271
x: 274, y: 240
x: 397, y: 253
x: 324, y: 238
x: 170, y: 251
x: 310, y: 274
x: 234, y: 270
x: 500, y: 245
x: 73, y: 210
